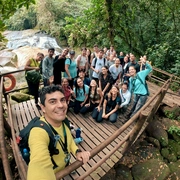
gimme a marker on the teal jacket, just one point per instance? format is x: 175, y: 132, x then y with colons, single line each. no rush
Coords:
x: 135, y: 85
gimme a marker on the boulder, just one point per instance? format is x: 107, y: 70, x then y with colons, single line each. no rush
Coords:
x: 174, y: 168
x: 20, y: 97
x: 154, y: 141
x: 156, y: 129
x: 151, y: 169
x: 123, y: 172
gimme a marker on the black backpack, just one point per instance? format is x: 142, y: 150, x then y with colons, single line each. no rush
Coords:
x: 22, y: 140
x: 95, y: 61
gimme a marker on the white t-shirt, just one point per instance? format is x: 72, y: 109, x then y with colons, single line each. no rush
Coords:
x: 115, y: 71
x: 126, y: 97
x: 83, y: 60
x: 98, y: 66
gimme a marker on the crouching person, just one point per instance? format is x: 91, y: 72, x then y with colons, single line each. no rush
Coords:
x: 110, y: 107
x: 42, y: 165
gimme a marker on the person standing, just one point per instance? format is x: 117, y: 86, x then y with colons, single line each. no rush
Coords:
x: 70, y: 68
x: 54, y: 108
x: 137, y: 86
x: 59, y: 66
x: 47, y: 67
x: 97, y: 65
x: 33, y: 64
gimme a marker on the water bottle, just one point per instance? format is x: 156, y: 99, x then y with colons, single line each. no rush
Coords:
x: 26, y: 155
x: 78, y: 132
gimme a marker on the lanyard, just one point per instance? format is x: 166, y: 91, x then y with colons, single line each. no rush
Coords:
x: 62, y: 144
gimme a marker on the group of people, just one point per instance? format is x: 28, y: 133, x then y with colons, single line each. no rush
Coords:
x: 88, y: 83
x: 91, y: 82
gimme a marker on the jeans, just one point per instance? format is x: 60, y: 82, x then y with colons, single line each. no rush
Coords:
x: 139, y: 101
x: 77, y: 106
x: 90, y: 108
x: 98, y: 115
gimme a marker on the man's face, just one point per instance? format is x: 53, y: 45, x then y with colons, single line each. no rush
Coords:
x: 65, y: 52
x: 132, y: 58
x: 55, y: 108
x: 51, y: 53
x: 100, y: 54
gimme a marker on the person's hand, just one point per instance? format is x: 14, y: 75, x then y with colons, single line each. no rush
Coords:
x: 87, y: 105
x: 106, y: 116
x: 103, y: 115
x: 82, y: 104
x: 83, y: 156
x: 51, y: 79
x: 102, y: 93
x: 98, y: 108
x: 69, y: 78
x: 37, y: 68
x: 96, y: 71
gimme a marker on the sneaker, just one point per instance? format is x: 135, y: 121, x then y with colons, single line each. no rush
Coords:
x: 78, y: 140
x: 38, y: 106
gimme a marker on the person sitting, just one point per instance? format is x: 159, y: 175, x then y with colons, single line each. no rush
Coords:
x: 80, y: 94
x: 110, y: 108
x: 105, y: 80
x: 67, y: 90
x: 54, y: 108
x: 85, y: 80
x: 125, y: 97
x: 95, y: 98
x: 34, y: 87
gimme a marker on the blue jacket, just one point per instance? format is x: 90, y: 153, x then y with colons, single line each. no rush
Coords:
x: 135, y: 85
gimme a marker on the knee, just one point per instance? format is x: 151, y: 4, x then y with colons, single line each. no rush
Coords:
x: 113, y: 118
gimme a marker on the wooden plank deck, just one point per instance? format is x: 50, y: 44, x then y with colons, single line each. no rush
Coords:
x: 93, y: 134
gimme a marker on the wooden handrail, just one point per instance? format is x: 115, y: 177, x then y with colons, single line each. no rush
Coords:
x: 4, y: 153
x: 99, y: 148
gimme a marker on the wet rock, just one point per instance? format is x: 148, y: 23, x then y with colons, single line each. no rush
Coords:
x: 151, y: 169
x: 156, y: 130
x: 123, y: 172
x: 20, y: 97
x: 175, y: 170
x: 154, y: 141
x: 165, y: 152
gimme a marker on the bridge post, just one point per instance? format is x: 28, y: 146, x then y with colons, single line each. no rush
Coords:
x: 134, y: 134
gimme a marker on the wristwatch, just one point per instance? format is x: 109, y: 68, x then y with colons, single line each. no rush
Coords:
x: 78, y: 150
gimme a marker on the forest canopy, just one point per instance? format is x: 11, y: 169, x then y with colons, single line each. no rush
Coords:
x: 148, y: 27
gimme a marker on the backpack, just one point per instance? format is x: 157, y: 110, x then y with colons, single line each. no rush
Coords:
x: 22, y: 139
x: 95, y: 61
x: 145, y: 84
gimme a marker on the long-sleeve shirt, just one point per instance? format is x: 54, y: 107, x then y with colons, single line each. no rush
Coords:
x: 135, y: 85
x: 47, y: 67
x: 40, y: 166
x: 126, y: 97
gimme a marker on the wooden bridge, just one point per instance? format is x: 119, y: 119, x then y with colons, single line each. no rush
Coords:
x: 107, y: 142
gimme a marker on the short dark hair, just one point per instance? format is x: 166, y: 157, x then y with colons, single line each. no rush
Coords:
x: 101, y: 50
x: 48, y: 90
x: 51, y: 49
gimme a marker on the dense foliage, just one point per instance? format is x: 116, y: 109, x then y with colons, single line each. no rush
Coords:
x: 140, y: 26
x: 8, y: 8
